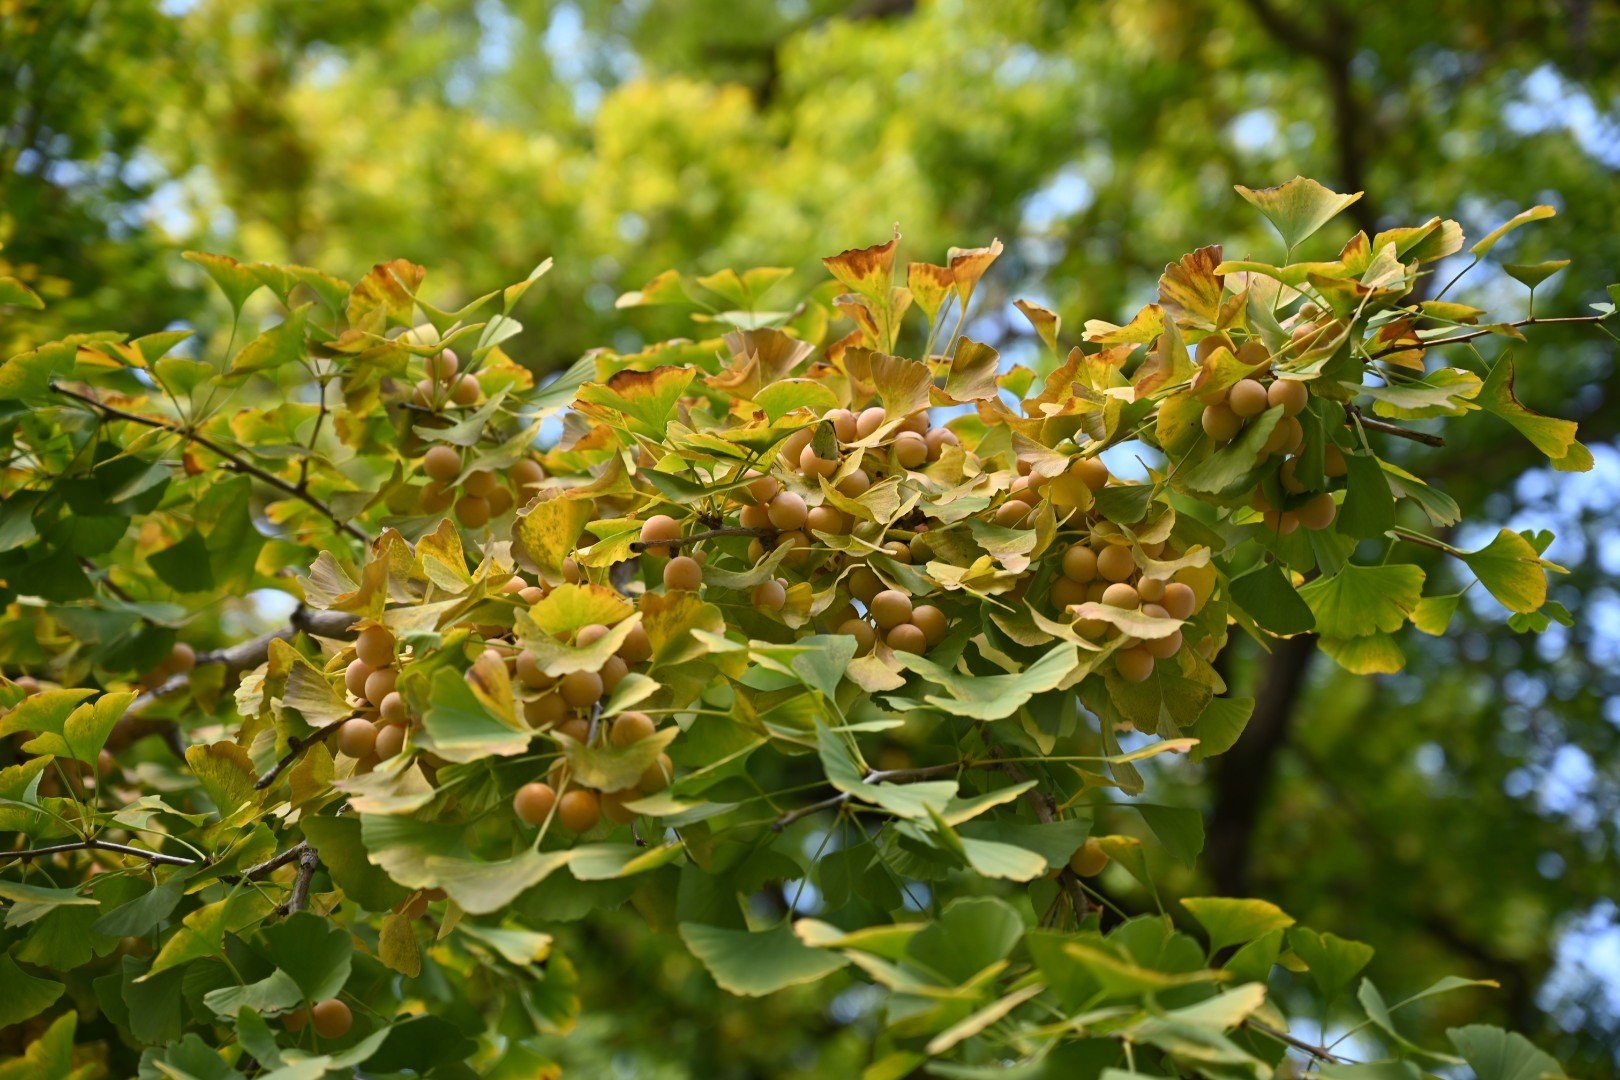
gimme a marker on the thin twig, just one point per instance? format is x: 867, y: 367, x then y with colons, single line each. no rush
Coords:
x: 1319, y: 1052
x: 297, y: 746
x: 237, y: 461
x: 1046, y: 810
x: 639, y: 546
x: 251, y: 653
x: 100, y: 845
x: 1410, y: 346
x: 873, y: 777
x: 1386, y: 428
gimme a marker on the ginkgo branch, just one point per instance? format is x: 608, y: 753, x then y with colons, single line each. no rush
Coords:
x: 639, y: 546
x: 237, y: 461
x: 1386, y: 428
x: 296, y: 747
x: 100, y: 845
x: 872, y: 777
x: 1455, y: 339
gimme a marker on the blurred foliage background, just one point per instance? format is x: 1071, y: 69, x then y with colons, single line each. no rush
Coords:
x: 1462, y: 816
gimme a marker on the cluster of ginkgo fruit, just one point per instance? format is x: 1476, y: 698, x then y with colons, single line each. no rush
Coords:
x: 479, y: 495
x: 1229, y: 410
x: 567, y: 705
x: 371, y: 677
x: 1102, y: 568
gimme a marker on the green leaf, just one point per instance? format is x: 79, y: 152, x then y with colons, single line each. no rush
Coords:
x: 1495, y: 1054
x: 1553, y: 437
x: 1230, y: 921
x: 282, y: 344
x: 313, y: 952
x: 236, y: 281
x: 143, y: 914
x: 46, y: 710
x: 1220, y: 724
x: 14, y: 293
x: 1231, y: 468
x: 1511, y: 569
x: 461, y: 728
x: 1271, y: 600
x: 22, y: 995
x: 1369, y: 505
x: 755, y: 963
x: 343, y: 853
x: 31, y: 902
x: 1333, y: 960
x: 482, y: 887
x: 970, y: 934
x: 1179, y: 828
x: 275, y: 993
x: 1532, y: 274
x: 1524, y: 217
x: 1434, y: 614
x: 1298, y: 208
x: 992, y: 697
x: 85, y: 731
x: 1363, y: 600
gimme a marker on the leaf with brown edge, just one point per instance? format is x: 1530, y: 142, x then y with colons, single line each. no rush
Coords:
x: 387, y: 292
x: 1045, y: 322
x: 1190, y: 289
x: 968, y: 266
x: 1145, y: 325
x: 929, y: 285
x: 759, y: 358
x: 643, y: 402
x: 901, y: 385
x: 868, y: 271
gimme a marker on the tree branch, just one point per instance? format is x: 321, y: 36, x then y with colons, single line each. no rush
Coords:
x: 1384, y: 427
x: 1485, y: 332
x: 639, y: 546
x: 296, y: 747
x: 872, y: 777
x: 308, y: 860
x: 1243, y: 776
x: 1046, y: 811
x: 100, y: 845
x: 237, y: 461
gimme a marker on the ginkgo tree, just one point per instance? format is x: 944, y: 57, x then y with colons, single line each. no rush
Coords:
x: 824, y: 642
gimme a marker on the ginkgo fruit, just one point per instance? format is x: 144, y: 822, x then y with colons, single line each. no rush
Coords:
x: 1089, y: 859
x: 581, y: 689
x: 375, y: 646
x: 682, y: 574
x: 1247, y: 398
x: 442, y: 463
x: 579, y: 810
x: 533, y: 802
x: 357, y: 738
x: 769, y: 595
x: 631, y: 727
x: 331, y: 1018
x: 890, y: 608
x: 788, y: 511
x: 390, y: 741
x: 660, y: 527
